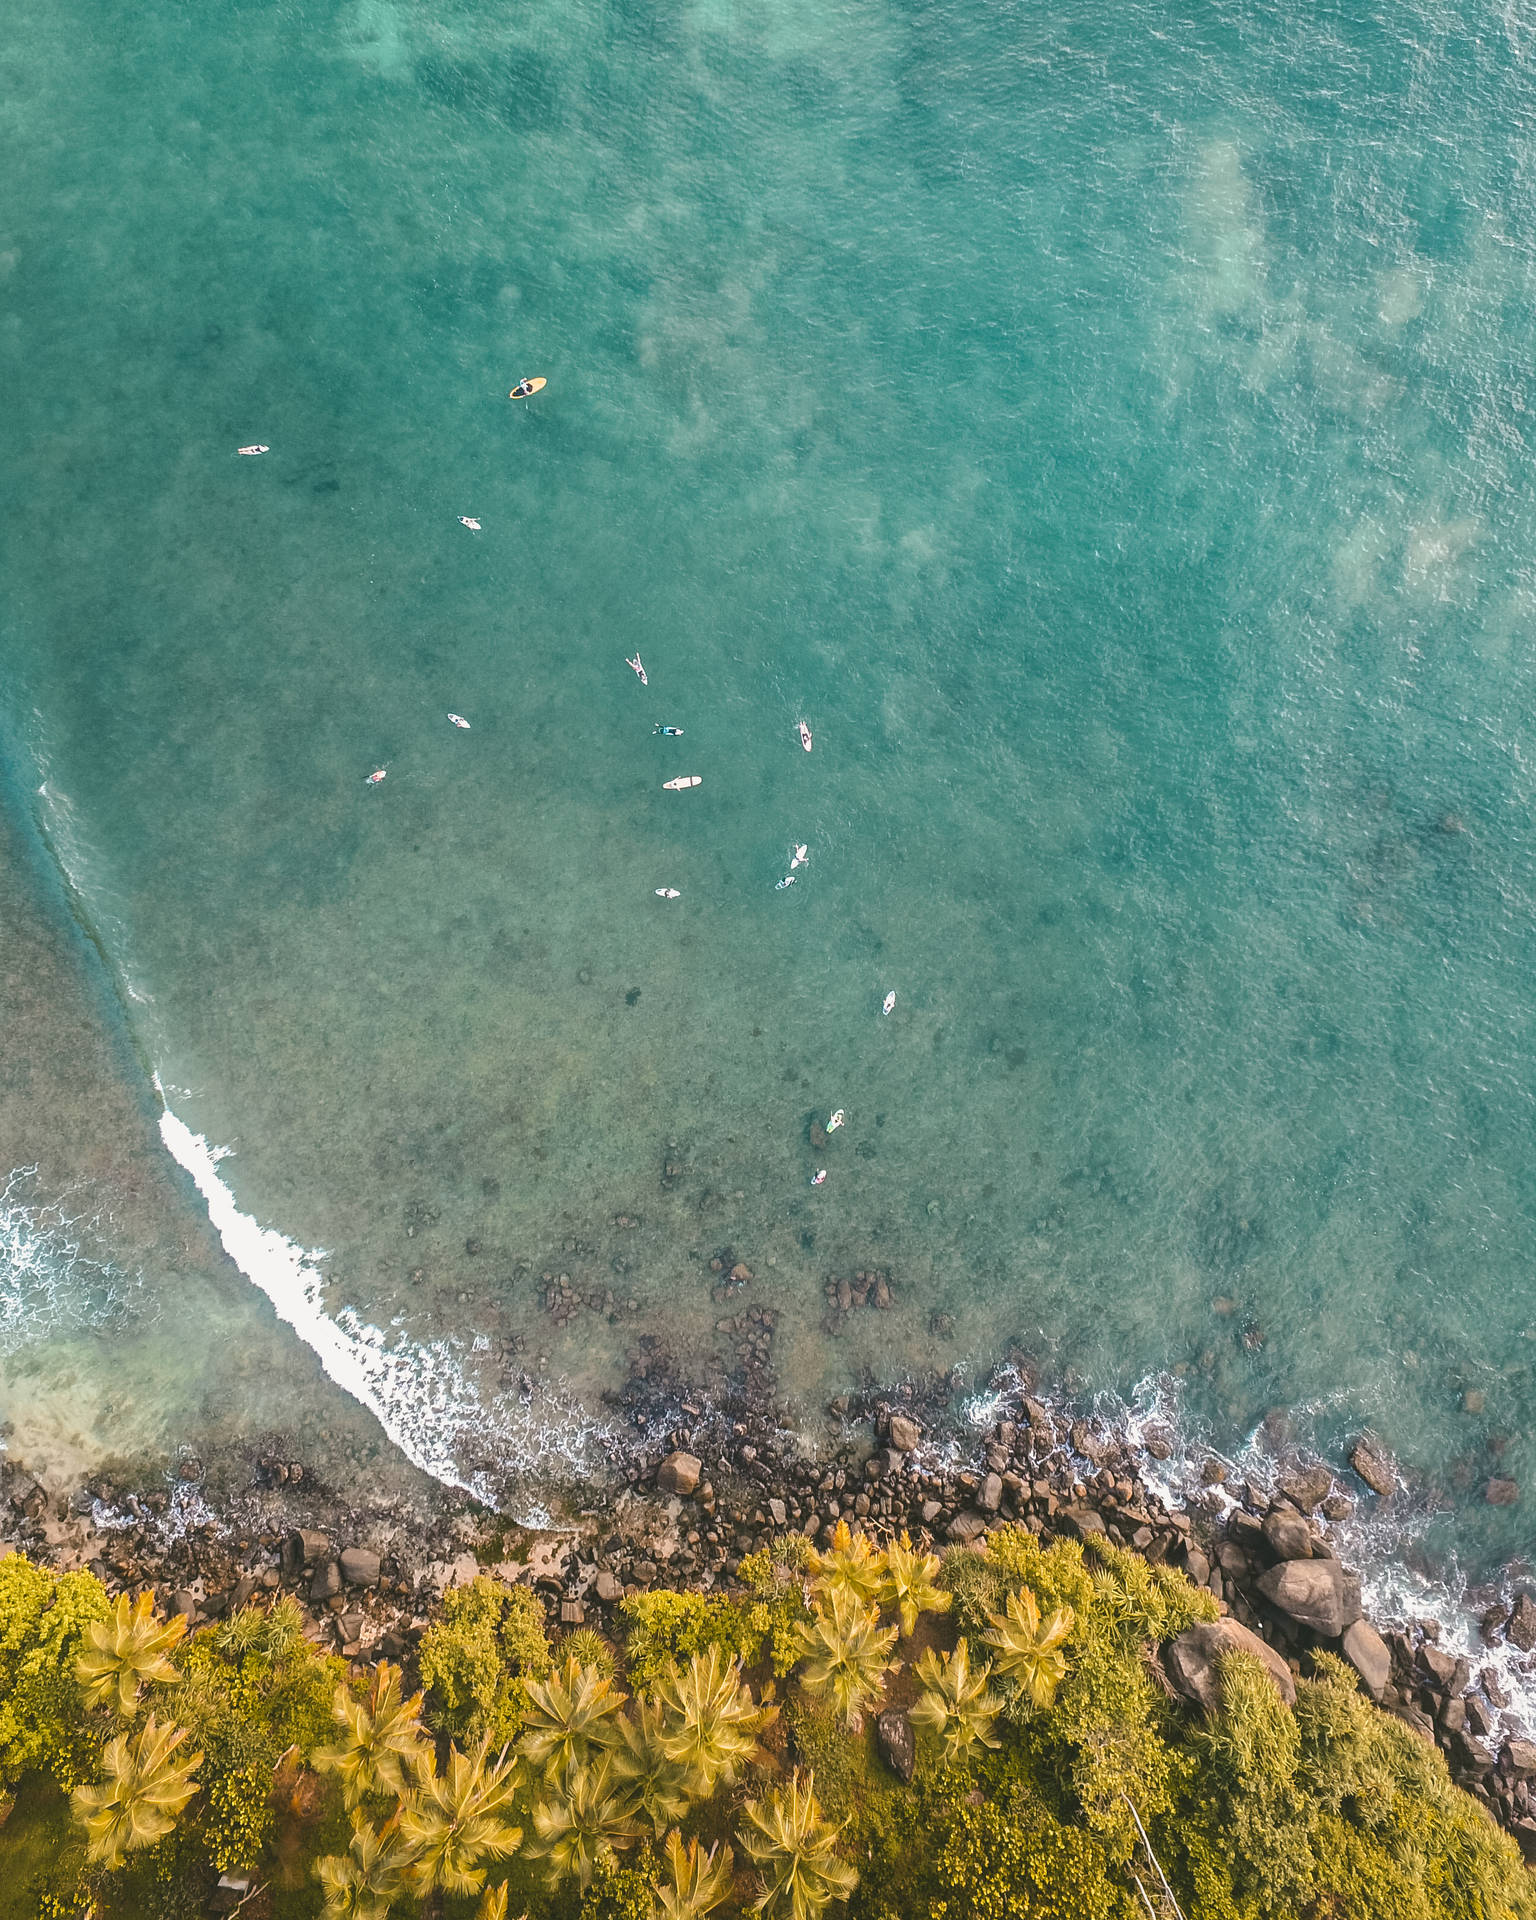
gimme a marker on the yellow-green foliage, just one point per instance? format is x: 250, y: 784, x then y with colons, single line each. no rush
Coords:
x: 663, y: 1629
x: 1019, y: 1862
x: 43, y: 1622
x: 776, y: 1577
x: 474, y: 1659
x: 252, y: 1687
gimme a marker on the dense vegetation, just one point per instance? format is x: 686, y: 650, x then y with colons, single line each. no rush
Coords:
x: 721, y: 1760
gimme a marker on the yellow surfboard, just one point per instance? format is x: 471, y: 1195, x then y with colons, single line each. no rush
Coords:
x: 536, y: 385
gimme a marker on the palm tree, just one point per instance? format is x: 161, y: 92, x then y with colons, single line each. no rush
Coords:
x: 660, y: 1783
x: 454, y: 1826
x: 908, y: 1585
x: 589, y: 1811
x: 849, y: 1566
x: 144, y: 1791
x: 127, y: 1651
x: 382, y: 1742
x: 698, y: 1881
x: 1027, y: 1652
x: 570, y: 1717
x: 712, y: 1721
x: 493, y: 1903
x: 847, y: 1654
x: 364, y: 1884
x: 793, y: 1847
x: 955, y: 1703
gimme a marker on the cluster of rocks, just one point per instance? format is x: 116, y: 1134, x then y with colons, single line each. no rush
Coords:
x: 562, y: 1300
x: 871, y: 1289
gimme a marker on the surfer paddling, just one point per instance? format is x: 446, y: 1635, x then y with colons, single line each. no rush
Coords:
x: 465, y: 521
x: 635, y: 663
x: 526, y: 388
x: 248, y: 451
x: 802, y: 854
x: 818, y: 1176
x: 836, y: 1121
x: 459, y: 721
x: 668, y: 733
x: 787, y: 881
x: 887, y: 1005
x: 668, y: 893
x: 805, y: 735
x: 375, y: 777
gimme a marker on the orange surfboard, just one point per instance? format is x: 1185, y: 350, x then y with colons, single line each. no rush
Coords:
x: 536, y: 385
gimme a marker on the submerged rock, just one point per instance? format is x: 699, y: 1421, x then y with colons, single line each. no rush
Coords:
x: 1374, y: 1464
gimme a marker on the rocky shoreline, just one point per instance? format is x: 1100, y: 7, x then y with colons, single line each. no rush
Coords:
x: 706, y: 1486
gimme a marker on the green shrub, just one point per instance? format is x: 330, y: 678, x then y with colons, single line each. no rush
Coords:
x: 475, y: 1656
x: 775, y: 1579
x: 43, y: 1719
x: 1020, y: 1863
x: 662, y: 1627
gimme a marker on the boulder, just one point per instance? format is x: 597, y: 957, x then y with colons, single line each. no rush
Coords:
x: 990, y: 1496
x: 184, y: 1603
x: 326, y: 1583
x: 1315, y: 1593
x: 609, y: 1588
x: 1287, y: 1535
x: 1084, y: 1521
x: 1374, y: 1464
x: 778, y: 1513
x: 966, y: 1527
x: 306, y: 1546
x: 1471, y: 1754
x: 1309, y: 1488
x: 1369, y: 1655
x: 679, y: 1473
x: 1520, y: 1758
x: 905, y: 1433
x: 897, y: 1745
x: 1191, y: 1661
x: 1521, y: 1626
x: 1438, y: 1664
x: 360, y: 1567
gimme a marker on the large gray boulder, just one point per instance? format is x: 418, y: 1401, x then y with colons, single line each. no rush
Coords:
x: 360, y: 1567
x: 1370, y: 1656
x: 1287, y: 1535
x: 905, y: 1434
x: 894, y: 1732
x: 1315, y: 1593
x: 1191, y: 1661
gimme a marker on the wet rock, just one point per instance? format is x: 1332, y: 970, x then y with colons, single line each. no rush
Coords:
x: 1309, y: 1488
x: 897, y: 1745
x: 679, y: 1473
x: 990, y: 1496
x: 1192, y: 1661
x: 1502, y: 1493
x: 326, y: 1583
x: 1370, y: 1656
x: 1519, y: 1759
x: 1315, y: 1593
x: 360, y: 1567
x: 1338, y: 1506
x: 1521, y: 1628
x: 306, y: 1546
x: 966, y: 1527
x: 905, y: 1433
x: 1287, y: 1535
x: 1439, y: 1665
x: 1374, y: 1464
x: 1470, y: 1753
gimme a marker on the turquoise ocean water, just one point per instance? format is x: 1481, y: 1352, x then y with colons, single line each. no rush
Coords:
x: 1110, y: 429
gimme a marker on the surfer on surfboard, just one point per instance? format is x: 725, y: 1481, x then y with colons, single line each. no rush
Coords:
x: 668, y: 733
x: 374, y: 778
x: 252, y: 449
x: 635, y: 663
x: 802, y: 854
x: 889, y: 1002
x: 459, y: 721
x: 805, y: 736
x: 526, y: 387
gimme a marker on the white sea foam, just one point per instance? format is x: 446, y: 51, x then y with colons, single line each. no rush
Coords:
x: 432, y: 1410
x: 48, y: 1282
